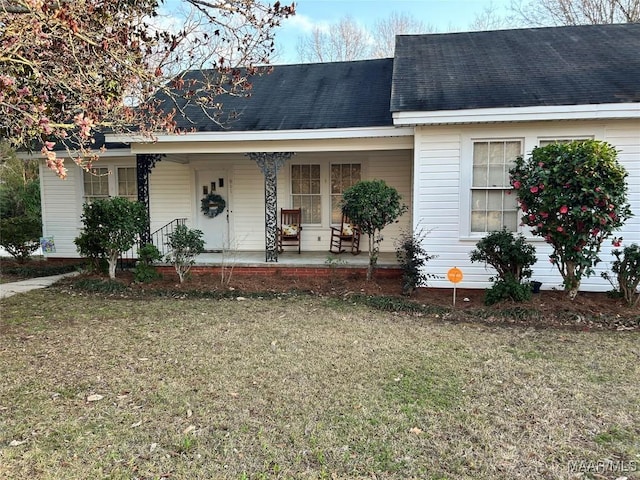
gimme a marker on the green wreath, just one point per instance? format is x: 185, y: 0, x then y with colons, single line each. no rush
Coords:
x: 212, y: 205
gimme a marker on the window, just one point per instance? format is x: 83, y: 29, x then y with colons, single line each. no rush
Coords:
x: 492, y: 206
x: 127, y: 183
x: 343, y: 176
x: 96, y: 183
x: 545, y: 142
x: 305, y: 192
x: 100, y: 183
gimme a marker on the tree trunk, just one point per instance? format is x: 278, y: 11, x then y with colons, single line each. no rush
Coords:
x: 113, y: 262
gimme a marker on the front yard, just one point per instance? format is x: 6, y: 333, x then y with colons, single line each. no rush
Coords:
x: 305, y: 387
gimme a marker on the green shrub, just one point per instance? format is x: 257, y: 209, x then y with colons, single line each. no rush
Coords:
x: 185, y: 245
x: 626, y: 268
x: 412, y: 258
x: 372, y: 205
x: 20, y: 236
x: 512, y: 257
x: 111, y: 226
x: 144, y: 270
x: 573, y: 195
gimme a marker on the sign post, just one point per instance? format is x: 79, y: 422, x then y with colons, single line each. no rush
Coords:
x: 455, y: 276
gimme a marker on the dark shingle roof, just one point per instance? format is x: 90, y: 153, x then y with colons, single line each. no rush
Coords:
x: 307, y: 96
x: 589, y: 64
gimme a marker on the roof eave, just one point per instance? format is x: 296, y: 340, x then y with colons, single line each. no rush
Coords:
x: 518, y: 114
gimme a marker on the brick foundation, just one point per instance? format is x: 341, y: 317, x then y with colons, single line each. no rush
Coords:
x: 268, y: 270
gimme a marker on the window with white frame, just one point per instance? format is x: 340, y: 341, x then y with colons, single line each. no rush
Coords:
x: 543, y: 142
x: 96, y: 183
x: 492, y: 204
x: 99, y: 182
x: 343, y: 176
x: 305, y: 192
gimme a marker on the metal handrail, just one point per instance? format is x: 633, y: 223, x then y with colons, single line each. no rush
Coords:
x: 159, y: 238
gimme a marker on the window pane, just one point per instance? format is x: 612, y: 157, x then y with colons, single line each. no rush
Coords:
x: 480, y: 153
x: 305, y: 191
x: 96, y: 183
x: 127, y: 184
x: 343, y: 176
x: 478, y: 222
x: 494, y: 220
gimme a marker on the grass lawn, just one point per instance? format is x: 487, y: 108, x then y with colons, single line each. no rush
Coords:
x: 305, y: 387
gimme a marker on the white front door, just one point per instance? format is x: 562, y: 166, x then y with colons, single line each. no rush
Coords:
x: 209, y: 184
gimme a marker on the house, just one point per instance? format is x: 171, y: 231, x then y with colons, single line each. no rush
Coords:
x: 441, y: 122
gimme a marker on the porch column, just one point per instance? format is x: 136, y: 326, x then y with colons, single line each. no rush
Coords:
x: 269, y: 164
x: 144, y: 164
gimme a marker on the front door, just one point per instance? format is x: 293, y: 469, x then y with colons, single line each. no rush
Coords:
x: 213, y: 208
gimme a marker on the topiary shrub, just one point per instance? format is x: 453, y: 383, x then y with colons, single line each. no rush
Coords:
x: 512, y: 257
x: 574, y: 196
x: 111, y: 226
x: 185, y: 245
x: 412, y: 258
x: 372, y: 205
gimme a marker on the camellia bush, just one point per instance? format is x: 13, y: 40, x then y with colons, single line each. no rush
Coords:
x: 111, y: 226
x: 574, y: 195
x: 372, y: 205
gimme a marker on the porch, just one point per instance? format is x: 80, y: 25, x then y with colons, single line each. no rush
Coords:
x: 294, y: 264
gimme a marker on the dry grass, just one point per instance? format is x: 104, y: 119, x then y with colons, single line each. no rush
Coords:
x: 305, y: 388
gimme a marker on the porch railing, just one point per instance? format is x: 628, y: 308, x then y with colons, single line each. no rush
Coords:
x: 159, y: 238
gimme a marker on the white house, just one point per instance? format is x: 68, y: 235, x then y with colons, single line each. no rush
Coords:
x: 427, y: 122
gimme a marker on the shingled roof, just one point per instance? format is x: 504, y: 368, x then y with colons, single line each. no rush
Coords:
x: 306, y: 96
x: 578, y: 65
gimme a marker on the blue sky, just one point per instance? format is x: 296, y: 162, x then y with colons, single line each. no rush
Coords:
x: 443, y: 15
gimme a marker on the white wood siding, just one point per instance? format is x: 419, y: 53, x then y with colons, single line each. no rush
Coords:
x: 441, y: 173
x: 170, y: 193
x: 61, y: 209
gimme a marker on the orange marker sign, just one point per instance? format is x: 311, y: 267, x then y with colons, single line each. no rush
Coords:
x: 455, y: 275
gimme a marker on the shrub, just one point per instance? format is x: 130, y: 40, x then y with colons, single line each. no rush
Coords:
x: 512, y: 257
x: 111, y: 226
x: 144, y: 270
x: 185, y: 245
x: 372, y: 205
x: 626, y: 268
x: 412, y: 258
x: 574, y: 196
x: 20, y: 236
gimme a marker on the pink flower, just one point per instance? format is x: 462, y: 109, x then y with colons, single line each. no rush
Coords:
x: 616, y: 242
x: 613, y: 215
x: 564, y: 209
x: 560, y: 229
x: 598, y: 189
x: 517, y: 184
x: 532, y: 217
x: 584, y: 208
x: 544, y: 214
x: 533, y: 189
x: 540, y: 164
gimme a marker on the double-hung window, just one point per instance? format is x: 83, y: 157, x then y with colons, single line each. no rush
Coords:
x: 492, y: 204
x: 305, y: 192
x: 343, y: 176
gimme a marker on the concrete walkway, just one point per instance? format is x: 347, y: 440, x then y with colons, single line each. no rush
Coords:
x: 9, y: 289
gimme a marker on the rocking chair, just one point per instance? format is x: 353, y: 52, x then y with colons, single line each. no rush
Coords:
x: 290, y: 228
x: 347, y: 236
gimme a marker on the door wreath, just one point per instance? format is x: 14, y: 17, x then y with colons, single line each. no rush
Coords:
x: 212, y: 205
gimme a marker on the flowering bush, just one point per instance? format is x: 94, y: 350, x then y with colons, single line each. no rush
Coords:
x: 573, y: 195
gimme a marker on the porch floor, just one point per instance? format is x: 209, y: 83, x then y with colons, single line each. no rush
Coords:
x: 294, y: 259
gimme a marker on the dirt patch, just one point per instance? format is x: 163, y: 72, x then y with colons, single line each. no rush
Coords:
x: 545, y: 309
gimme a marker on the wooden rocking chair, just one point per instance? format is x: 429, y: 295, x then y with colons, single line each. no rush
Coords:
x: 347, y: 236
x: 290, y: 228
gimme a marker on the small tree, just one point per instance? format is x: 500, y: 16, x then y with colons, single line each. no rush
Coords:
x: 626, y: 269
x: 185, y: 246
x: 372, y: 205
x: 111, y: 226
x: 512, y: 257
x: 573, y: 195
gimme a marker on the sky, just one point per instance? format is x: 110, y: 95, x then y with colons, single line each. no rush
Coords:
x: 443, y: 15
